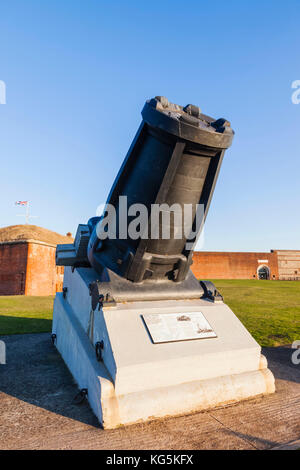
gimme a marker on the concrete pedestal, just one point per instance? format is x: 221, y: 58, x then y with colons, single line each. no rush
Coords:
x: 139, y: 380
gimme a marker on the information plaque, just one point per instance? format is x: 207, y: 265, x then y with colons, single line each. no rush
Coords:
x: 167, y: 327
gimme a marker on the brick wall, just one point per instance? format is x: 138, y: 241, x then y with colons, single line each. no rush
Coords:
x: 13, y: 261
x: 221, y: 265
x: 288, y: 264
x: 43, y: 277
x: 29, y: 268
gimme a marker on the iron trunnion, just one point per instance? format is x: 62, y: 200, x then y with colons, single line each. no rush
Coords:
x: 175, y: 158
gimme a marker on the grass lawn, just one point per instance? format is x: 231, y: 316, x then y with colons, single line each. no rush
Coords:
x: 21, y: 314
x: 270, y: 310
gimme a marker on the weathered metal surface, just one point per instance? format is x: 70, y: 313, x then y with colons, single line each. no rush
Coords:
x: 174, y: 159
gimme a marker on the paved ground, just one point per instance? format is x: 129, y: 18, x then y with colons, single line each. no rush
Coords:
x: 36, y: 410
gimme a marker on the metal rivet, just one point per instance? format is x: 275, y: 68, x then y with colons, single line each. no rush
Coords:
x: 99, y: 346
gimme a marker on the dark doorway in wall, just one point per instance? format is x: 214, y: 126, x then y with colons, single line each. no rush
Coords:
x: 263, y: 272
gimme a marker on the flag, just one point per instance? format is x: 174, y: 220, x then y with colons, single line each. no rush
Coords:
x: 21, y: 203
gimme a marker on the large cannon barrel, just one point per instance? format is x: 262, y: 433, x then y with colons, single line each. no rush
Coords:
x: 173, y: 163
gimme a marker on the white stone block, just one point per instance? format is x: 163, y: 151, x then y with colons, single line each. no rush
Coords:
x: 140, y: 380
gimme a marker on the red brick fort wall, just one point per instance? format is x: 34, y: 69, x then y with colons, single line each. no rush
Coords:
x: 222, y: 265
x: 13, y: 261
x: 43, y: 277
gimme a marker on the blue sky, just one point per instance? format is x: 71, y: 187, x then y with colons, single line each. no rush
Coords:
x: 78, y: 73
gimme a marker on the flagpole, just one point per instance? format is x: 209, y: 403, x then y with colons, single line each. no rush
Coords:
x: 27, y: 212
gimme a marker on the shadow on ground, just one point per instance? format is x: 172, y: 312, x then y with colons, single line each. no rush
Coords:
x: 255, y: 441
x: 283, y: 355
x: 35, y: 373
